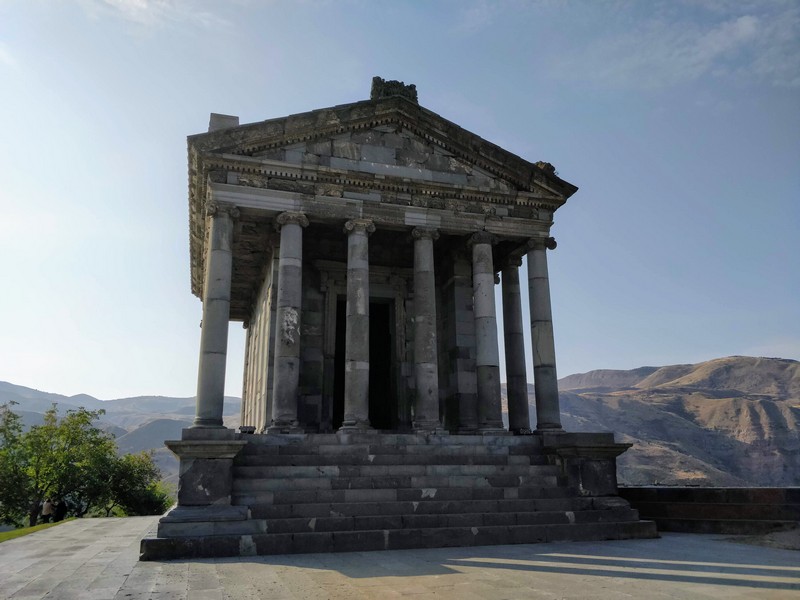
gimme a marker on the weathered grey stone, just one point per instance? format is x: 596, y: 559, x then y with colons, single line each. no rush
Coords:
x: 516, y: 377
x: 424, y: 361
x: 216, y: 312
x: 544, y: 367
x: 287, y: 342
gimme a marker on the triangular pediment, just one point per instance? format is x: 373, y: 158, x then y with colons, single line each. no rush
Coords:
x: 392, y: 138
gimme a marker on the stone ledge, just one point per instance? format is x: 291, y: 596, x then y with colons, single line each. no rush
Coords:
x: 209, y: 449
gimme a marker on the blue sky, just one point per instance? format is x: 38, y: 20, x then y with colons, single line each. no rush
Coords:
x: 678, y: 120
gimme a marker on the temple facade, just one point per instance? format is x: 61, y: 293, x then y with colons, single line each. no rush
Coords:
x: 360, y: 247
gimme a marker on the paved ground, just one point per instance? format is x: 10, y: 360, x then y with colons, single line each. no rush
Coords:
x: 94, y: 559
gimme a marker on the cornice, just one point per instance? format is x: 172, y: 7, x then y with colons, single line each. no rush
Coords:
x: 384, y: 183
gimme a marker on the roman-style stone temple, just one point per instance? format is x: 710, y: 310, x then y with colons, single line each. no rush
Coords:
x: 360, y: 247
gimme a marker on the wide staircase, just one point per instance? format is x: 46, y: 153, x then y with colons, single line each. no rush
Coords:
x: 331, y: 493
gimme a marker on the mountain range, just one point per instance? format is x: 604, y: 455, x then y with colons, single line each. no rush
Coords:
x: 725, y: 422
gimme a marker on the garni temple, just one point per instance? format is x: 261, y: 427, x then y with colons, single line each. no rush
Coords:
x: 360, y: 246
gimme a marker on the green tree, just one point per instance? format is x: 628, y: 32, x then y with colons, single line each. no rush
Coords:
x: 14, y: 482
x: 135, y: 486
x: 70, y: 460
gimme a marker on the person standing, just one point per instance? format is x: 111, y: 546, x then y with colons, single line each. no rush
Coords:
x: 47, y: 511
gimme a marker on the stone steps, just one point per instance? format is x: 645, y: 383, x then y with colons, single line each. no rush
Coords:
x: 400, y: 470
x: 421, y: 521
x: 388, y: 539
x: 322, y: 493
x: 241, y: 486
x: 440, y: 507
x: 282, y: 497
x: 393, y: 484
x: 413, y: 458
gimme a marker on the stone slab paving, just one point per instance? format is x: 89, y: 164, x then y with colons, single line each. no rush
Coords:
x: 94, y: 559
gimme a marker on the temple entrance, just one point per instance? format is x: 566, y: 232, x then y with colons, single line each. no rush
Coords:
x: 382, y: 372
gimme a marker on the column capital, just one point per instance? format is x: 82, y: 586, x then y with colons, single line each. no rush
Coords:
x: 512, y: 261
x: 540, y: 243
x: 421, y: 233
x: 482, y: 237
x: 214, y: 208
x: 359, y: 225
x: 291, y: 217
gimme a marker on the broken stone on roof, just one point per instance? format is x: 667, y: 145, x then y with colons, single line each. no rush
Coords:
x: 384, y: 88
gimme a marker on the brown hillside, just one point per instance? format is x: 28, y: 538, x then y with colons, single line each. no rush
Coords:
x: 729, y: 421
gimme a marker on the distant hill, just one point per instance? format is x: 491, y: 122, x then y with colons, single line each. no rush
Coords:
x: 729, y: 421
x: 139, y: 423
x: 151, y: 435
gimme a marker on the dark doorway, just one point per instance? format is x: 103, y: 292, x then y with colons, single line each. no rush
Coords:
x: 382, y: 408
x: 382, y: 397
x: 338, y: 364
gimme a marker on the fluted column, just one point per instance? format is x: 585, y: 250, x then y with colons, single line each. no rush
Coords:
x: 287, y: 338
x: 426, y: 369
x: 216, y: 313
x: 356, y: 355
x: 488, y: 354
x: 519, y: 420
x: 545, y: 379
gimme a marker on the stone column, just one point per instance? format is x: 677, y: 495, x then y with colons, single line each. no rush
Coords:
x: 356, y: 356
x: 426, y: 368
x: 545, y: 380
x: 287, y: 338
x: 216, y: 312
x: 517, y: 381
x: 488, y: 355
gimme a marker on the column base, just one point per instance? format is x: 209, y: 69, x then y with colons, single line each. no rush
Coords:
x: 546, y: 428
x: 207, y: 424
x: 521, y: 431
x: 284, y: 428
x: 430, y: 428
x: 356, y: 427
x: 493, y: 430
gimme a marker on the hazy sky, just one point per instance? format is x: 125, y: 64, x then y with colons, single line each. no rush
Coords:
x: 679, y: 121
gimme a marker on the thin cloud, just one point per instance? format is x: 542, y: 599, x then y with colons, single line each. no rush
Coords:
x: 475, y: 17
x: 7, y: 58
x: 151, y: 13
x: 663, y: 52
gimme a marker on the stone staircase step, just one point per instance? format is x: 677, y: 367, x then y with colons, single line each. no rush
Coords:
x: 370, y: 470
x: 392, y: 494
x: 389, y: 539
x: 365, y: 449
x: 418, y: 521
x: 409, y: 507
x: 280, y: 460
x: 427, y: 481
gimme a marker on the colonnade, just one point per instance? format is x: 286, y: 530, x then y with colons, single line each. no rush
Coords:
x: 216, y: 312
